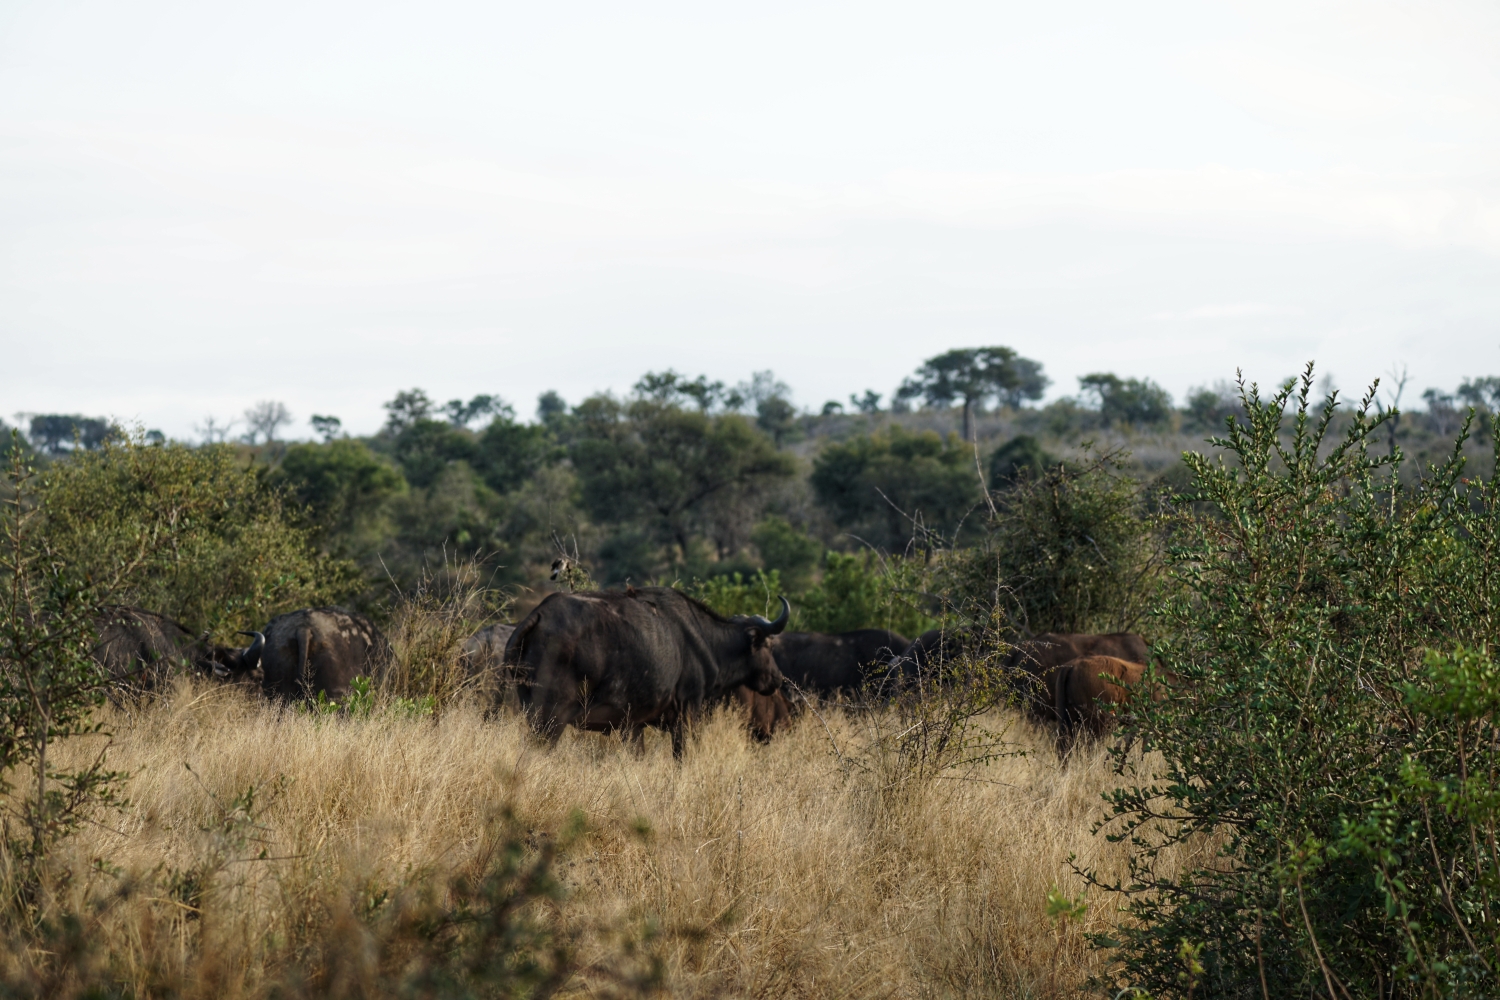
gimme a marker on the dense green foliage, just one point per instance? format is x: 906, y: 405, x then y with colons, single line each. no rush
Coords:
x: 1069, y: 549
x: 865, y: 590
x: 1340, y: 780
x: 890, y: 486
x: 1133, y: 402
x: 49, y: 688
x: 678, y: 474
x: 188, y: 532
x: 341, y: 483
x: 785, y: 550
x: 1020, y: 456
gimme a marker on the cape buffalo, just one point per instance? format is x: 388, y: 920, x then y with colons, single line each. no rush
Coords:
x: 1029, y: 662
x: 607, y: 659
x: 1032, y: 660
x: 765, y: 714
x: 485, y: 649
x: 1088, y: 692
x: 483, y: 659
x: 827, y: 664
x: 141, y: 649
x: 320, y: 651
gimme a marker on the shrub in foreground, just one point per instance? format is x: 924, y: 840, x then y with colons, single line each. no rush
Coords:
x: 1338, y: 784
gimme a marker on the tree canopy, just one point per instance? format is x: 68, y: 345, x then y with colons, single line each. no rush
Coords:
x: 874, y: 485
x: 971, y: 375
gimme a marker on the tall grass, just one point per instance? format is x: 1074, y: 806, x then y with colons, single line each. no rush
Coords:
x: 766, y: 871
x: 428, y: 627
x: 271, y: 851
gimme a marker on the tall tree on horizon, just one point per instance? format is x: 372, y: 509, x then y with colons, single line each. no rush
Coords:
x: 974, y: 374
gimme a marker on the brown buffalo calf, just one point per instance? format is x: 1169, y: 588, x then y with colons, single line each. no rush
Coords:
x: 765, y: 714
x: 1087, y: 694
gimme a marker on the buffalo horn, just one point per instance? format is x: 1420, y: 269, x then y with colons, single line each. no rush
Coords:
x: 779, y: 625
x: 252, y: 651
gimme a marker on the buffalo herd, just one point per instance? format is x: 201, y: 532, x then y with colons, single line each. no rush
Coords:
x: 646, y: 657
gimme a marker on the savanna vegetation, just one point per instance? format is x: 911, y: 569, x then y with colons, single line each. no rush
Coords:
x: 1308, y: 809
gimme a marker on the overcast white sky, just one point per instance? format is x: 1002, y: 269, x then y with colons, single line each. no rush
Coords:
x: 205, y: 205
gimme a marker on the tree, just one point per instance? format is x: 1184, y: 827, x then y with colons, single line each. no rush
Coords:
x: 507, y: 453
x: 1021, y: 455
x: 341, y: 482
x: 461, y: 414
x: 1207, y: 408
x: 672, y: 388
x: 1481, y: 393
x: 425, y: 447
x: 409, y: 406
x: 874, y: 485
x: 661, y: 467
x: 56, y: 433
x: 771, y: 398
x: 973, y: 374
x: 1132, y: 402
x: 326, y: 427
x: 550, y: 406
x: 1441, y: 412
x: 868, y: 403
x: 214, y: 432
x: 263, y: 419
x: 786, y: 551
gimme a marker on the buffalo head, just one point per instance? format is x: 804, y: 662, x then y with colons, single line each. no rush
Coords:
x: 229, y: 662
x: 765, y: 677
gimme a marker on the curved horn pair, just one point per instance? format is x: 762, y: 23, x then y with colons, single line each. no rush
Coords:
x: 777, y: 626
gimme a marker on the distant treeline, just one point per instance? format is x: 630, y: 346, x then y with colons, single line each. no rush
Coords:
x: 691, y: 478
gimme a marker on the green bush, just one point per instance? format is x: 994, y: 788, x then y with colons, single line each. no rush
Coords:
x: 50, y: 686
x: 342, y: 483
x: 1022, y: 455
x: 786, y: 550
x: 1332, y: 786
x: 733, y: 594
x: 862, y: 590
x: 187, y: 532
x: 1069, y: 550
x: 875, y: 485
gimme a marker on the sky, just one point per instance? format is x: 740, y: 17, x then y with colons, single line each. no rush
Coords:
x: 322, y: 203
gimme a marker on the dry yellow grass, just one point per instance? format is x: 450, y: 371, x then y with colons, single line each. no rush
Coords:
x: 809, y: 880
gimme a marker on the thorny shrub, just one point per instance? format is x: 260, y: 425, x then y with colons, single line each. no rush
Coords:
x: 1338, y: 785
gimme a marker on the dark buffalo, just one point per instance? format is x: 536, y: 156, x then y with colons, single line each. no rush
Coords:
x: 483, y: 661
x: 625, y: 660
x: 485, y: 649
x: 929, y: 649
x: 140, y: 650
x: 827, y: 664
x: 320, y: 651
x: 765, y: 714
x: 1029, y: 662
x: 1087, y: 694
